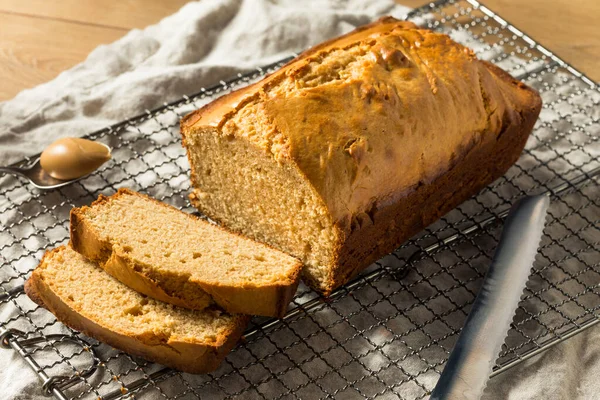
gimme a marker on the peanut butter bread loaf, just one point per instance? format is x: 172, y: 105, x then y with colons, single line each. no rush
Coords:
x: 356, y: 145
x: 87, y: 299
x: 178, y: 258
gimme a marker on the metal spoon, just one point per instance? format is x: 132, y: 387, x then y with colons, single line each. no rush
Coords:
x: 37, y: 176
x: 64, y: 161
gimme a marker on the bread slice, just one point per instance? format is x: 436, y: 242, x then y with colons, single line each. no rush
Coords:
x: 356, y: 145
x: 178, y: 258
x: 84, y: 297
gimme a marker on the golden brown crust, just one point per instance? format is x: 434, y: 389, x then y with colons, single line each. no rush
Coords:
x: 185, y: 356
x: 394, y: 224
x: 392, y: 98
x: 215, y: 112
x: 266, y: 300
x: 397, y: 223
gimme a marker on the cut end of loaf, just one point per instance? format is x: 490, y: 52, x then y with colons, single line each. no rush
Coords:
x: 277, y: 207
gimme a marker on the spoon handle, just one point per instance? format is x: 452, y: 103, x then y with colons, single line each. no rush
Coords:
x: 10, y: 170
x: 14, y: 171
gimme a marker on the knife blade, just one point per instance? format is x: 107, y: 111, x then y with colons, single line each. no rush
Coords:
x: 474, y: 355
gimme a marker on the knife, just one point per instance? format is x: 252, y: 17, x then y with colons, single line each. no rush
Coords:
x: 474, y: 355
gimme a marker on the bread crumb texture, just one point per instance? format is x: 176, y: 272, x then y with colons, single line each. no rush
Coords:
x: 176, y: 246
x: 95, y: 295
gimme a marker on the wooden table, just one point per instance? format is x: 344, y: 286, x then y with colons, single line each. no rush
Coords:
x: 41, y: 38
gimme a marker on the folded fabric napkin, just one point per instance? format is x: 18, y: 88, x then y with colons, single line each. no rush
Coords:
x: 201, y: 44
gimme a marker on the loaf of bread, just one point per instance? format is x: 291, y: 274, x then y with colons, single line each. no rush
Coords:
x: 84, y: 297
x: 180, y: 259
x: 356, y: 145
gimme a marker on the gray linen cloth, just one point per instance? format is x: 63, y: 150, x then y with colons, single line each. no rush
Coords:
x: 201, y: 44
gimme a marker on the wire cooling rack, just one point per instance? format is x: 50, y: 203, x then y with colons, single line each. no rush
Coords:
x: 388, y: 333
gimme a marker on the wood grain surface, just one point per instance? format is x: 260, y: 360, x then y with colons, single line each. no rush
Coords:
x: 41, y: 38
